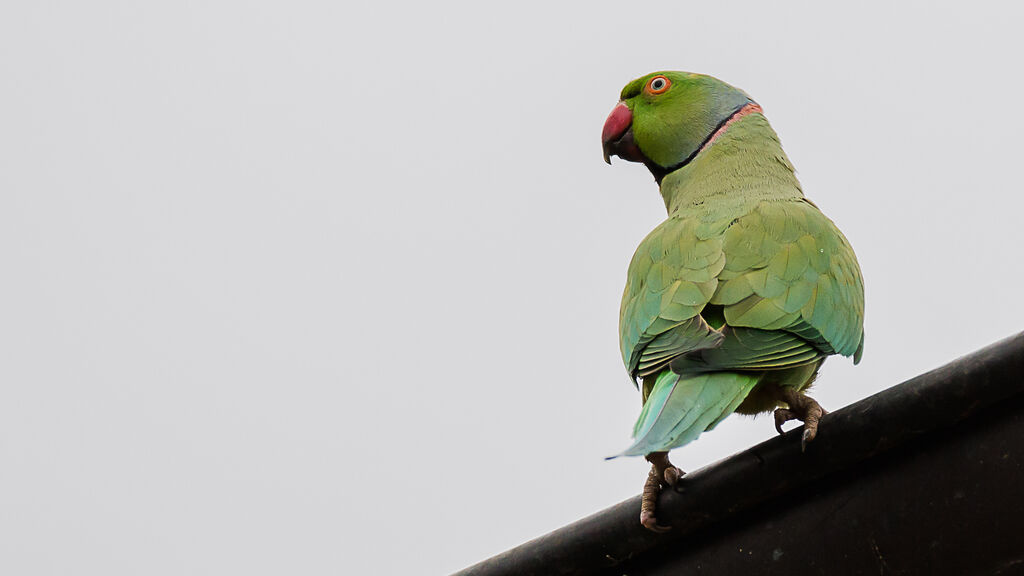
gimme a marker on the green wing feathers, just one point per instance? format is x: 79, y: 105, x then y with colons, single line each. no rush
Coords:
x: 673, y: 275
x: 782, y: 271
x: 789, y: 268
x: 750, y: 349
x: 713, y: 302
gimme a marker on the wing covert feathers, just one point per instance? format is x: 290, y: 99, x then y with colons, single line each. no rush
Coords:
x: 784, y: 276
x: 673, y: 275
x: 789, y: 268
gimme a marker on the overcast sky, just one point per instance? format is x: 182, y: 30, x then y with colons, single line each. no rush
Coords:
x: 308, y: 288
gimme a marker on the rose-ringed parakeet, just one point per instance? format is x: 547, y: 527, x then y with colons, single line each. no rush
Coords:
x: 733, y: 302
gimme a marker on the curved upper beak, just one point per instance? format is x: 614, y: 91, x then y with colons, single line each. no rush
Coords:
x: 617, y: 136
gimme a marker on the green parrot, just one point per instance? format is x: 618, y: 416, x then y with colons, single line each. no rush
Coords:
x: 735, y: 300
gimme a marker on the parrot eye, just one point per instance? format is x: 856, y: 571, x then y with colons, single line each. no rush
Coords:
x: 658, y: 84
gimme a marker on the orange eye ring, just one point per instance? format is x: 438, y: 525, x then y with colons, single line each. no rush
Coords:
x: 658, y: 84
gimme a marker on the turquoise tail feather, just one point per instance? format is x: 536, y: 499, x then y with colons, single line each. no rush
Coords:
x: 681, y: 407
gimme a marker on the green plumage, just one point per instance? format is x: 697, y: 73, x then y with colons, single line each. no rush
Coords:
x: 676, y: 413
x: 745, y: 284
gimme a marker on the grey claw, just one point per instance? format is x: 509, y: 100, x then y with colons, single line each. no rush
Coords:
x: 807, y: 437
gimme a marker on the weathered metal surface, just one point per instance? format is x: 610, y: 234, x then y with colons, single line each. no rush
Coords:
x: 952, y: 504
x: 949, y: 414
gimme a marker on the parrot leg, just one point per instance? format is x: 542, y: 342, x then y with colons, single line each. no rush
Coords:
x: 662, y: 473
x: 801, y: 407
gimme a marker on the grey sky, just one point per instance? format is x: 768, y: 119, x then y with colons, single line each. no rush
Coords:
x: 306, y: 288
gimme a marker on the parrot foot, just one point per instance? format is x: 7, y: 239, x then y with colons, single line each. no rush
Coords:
x: 803, y: 408
x: 662, y: 474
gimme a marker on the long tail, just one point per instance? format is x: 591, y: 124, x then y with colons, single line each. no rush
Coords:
x: 680, y: 407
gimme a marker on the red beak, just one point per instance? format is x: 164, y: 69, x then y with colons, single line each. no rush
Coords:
x: 617, y: 136
x: 617, y: 123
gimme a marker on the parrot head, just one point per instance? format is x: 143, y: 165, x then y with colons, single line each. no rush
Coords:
x: 665, y: 118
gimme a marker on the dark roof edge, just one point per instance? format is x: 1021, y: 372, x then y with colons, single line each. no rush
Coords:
x: 893, y: 417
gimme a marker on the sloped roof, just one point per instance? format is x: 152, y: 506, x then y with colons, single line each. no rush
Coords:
x: 924, y: 477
